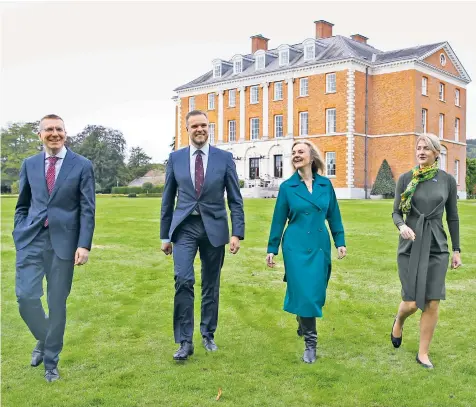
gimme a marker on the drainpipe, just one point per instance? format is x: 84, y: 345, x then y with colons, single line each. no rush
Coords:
x: 366, y: 130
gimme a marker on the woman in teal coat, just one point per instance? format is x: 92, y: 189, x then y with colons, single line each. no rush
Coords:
x: 306, y: 201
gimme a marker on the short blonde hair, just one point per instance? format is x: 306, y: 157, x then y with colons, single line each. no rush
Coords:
x: 431, y: 141
x: 316, y: 157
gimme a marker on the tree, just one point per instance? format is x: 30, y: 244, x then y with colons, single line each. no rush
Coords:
x: 147, y: 186
x: 384, y: 183
x: 105, y: 147
x: 139, y: 163
x: 18, y: 141
x: 471, y: 176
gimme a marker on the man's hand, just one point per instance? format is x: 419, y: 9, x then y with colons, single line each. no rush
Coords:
x: 456, y: 260
x: 167, y: 248
x: 234, y: 244
x: 81, y: 256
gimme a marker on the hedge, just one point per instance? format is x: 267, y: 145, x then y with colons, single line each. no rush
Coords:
x: 136, y: 190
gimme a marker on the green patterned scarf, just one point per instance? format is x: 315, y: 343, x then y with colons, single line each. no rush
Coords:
x: 419, y: 175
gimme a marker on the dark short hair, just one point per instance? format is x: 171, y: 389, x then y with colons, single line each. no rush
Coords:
x: 50, y: 116
x: 194, y: 113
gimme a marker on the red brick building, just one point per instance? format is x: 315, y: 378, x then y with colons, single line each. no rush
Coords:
x: 358, y: 104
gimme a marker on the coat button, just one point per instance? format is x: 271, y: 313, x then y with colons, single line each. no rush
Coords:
x: 307, y: 213
x: 309, y: 250
x: 308, y: 233
x: 320, y: 230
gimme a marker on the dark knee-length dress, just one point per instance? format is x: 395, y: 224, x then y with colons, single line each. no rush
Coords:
x: 422, y: 264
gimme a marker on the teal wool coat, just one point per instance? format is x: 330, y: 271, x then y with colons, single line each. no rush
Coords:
x: 306, y: 243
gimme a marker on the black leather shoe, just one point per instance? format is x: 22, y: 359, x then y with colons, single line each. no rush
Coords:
x: 426, y: 366
x: 209, y: 345
x: 37, y: 354
x: 396, y: 342
x: 51, y: 375
x: 185, y: 350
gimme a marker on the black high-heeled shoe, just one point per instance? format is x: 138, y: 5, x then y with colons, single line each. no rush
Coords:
x: 396, y: 342
x: 426, y: 366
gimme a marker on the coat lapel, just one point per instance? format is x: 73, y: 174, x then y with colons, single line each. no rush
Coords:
x: 210, y: 167
x: 66, y: 167
x: 300, y: 189
x: 186, y: 164
x: 39, y: 170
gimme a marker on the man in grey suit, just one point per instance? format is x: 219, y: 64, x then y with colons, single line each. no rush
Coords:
x: 53, y: 231
x: 199, y: 175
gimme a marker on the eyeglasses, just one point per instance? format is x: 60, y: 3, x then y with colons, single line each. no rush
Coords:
x: 52, y: 129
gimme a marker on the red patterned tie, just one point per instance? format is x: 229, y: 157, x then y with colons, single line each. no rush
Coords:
x: 51, y: 176
x: 199, y: 173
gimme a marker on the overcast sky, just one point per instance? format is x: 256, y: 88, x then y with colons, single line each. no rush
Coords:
x: 116, y: 63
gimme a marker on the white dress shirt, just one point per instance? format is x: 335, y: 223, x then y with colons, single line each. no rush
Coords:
x: 61, y: 155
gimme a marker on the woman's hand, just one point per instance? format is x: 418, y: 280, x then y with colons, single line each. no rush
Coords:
x: 270, y: 260
x: 407, y: 233
x: 456, y: 260
x: 341, y: 252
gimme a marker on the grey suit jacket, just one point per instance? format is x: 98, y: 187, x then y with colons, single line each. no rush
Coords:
x: 220, y: 176
x: 70, y: 208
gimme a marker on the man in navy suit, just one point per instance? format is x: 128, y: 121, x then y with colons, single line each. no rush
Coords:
x: 53, y: 231
x: 199, y: 175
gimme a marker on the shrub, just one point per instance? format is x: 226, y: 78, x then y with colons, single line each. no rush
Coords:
x: 15, y: 187
x: 384, y: 183
x: 242, y: 183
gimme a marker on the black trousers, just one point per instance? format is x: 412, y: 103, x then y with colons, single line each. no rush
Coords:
x: 190, y: 237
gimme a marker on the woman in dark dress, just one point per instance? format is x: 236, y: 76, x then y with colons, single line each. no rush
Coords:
x: 422, y: 195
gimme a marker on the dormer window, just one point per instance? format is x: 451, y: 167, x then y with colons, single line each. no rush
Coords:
x: 260, y: 61
x: 283, y: 56
x: 237, y: 66
x: 217, y: 69
x: 309, y: 50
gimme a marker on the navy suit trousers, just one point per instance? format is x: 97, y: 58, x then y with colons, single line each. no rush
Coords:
x: 189, y: 237
x: 34, y: 262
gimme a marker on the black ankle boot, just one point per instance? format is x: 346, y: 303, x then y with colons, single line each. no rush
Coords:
x: 308, y: 326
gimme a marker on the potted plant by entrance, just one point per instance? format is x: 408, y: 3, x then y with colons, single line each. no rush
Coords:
x: 384, y: 185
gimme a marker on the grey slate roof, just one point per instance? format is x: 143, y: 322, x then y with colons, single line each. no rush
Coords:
x: 327, y: 49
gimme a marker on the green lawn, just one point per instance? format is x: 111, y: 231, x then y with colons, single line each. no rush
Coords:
x: 119, y: 342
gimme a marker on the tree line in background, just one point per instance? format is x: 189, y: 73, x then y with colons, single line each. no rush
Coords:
x: 105, y: 147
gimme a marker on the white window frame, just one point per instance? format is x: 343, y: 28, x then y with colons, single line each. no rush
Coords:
x: 309, y: 51
x: 457, y: 124
x: 211, y: 101
x: 456, y: 174
x: 276, y: 126
x: 211, y: 133
x: 303, y: 87
x: 331, y: 155
x: 284, y: 57
x: 278, y: 95
x: 231, y: 130
x: 331, y: 84
x: 443, y: 157
x: 457, y: 97
x: 217, y: 69
x: 331, y: 120
x: 254, y: 128
x: 303, y: 119
x: 424, y: 86
x: 191, y: 103
x: 254, y: 95
x: 441, y: 91
x: 441, y: 126
x: 260, y: 62
x: 424, y: 120
x: 237, y: 66
x: 232, y: 100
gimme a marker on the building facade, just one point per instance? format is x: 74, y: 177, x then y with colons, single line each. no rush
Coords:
x: 359, y: 105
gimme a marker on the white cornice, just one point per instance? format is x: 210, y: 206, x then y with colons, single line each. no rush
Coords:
x: 459, y: 143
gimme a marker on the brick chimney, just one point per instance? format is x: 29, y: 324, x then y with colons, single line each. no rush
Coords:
x: 323, y: 29
x: 359, y: 38
x: 258, y: 42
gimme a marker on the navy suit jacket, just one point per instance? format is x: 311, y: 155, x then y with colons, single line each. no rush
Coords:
x: 220, y: 176
x: 70, y: 208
